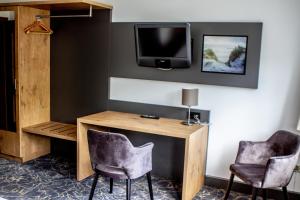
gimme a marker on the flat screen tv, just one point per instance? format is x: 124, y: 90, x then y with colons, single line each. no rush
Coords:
x: 163, y: 45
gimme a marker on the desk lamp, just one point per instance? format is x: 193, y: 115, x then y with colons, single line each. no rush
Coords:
x: 189, y: 98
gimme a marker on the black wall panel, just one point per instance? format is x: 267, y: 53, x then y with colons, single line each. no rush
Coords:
x: 162, y: 111
x: 80, y: 62
x: 79, y: 66
x: 123, y: 58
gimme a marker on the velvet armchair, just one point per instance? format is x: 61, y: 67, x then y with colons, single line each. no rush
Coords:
x: 113, y: 156
x: 266, y: 164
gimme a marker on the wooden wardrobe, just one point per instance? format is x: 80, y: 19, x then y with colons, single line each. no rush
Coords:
x: 32, y: 77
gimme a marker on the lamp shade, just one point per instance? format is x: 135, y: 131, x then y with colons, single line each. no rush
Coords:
x: 190, y: 97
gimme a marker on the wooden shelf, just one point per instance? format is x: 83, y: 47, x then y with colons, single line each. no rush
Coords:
x: 60, y: 4
x: 55, y: 130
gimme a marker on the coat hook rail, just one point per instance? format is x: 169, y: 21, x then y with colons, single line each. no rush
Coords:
x: 38, y: 17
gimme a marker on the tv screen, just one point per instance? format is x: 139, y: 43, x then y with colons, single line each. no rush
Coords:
x: 163, y: 42
x: 163, y: 45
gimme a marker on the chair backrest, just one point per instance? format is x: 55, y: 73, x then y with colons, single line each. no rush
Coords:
x: 110, y: 149
x: 285, y: 143
x: 286, y: 147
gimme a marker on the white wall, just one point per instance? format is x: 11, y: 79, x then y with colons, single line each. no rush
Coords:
x: 8, y: 14
x: 236, y: 113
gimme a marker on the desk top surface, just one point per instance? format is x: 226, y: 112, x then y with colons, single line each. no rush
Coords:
x: 133, y: 122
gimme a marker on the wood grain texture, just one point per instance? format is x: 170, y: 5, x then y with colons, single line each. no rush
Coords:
x: 8, y: 157
x: 133, y: 122
x: 32, y: 71
x: 8, y: 8
x: 194, y: 163
x: 54, y: 129
x: 9, y: 143
x: 33, y: 79
x: 34, y: 146
x: 61, y: 4
x: 84, y: 168
x: 195, y: 143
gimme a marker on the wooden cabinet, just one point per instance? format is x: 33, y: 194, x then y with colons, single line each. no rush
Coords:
x: 32, y: 89
x: 32, y: 76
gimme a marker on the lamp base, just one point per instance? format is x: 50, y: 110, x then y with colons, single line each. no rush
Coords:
x: 191, y: 123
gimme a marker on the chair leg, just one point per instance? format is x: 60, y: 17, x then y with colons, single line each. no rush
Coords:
x: 150, y: 185
x: 265, y: 194
x: 111, y: 185
x: 254, y: 193
x: 285, y: 193
x: 229, y: 187
x: 128, y: 189
x: 94, y: 186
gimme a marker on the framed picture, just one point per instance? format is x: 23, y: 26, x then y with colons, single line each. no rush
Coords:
x: 225, y: 54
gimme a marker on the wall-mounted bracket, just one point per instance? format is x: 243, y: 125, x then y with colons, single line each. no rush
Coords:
x: 165, y: 69
x: 39, y: 17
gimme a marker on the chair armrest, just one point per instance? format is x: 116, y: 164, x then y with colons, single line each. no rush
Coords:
x: 279, y: 171
x: 145, y: 153
x: 254, y: 153
x: 146, y: 148
x: 141, y: 161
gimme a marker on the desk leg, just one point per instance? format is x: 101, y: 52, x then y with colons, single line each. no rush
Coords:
x: 84, y: 167
x: 194, y: 163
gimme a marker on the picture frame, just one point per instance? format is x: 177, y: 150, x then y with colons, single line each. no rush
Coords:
x: 225, y: 54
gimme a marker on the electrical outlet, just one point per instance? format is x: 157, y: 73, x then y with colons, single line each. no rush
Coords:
x: 195, y: 116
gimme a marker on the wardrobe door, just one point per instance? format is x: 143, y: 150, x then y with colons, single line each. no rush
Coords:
x: 7, y: 76
x: 10, y: 76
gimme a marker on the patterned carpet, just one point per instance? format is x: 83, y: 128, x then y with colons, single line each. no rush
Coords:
x: 54, y: 178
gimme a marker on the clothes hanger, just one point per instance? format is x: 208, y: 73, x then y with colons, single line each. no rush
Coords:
x: 32, y: 28
x: 42, y: 29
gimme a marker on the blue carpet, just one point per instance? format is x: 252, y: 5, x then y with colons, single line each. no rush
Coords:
x: 54, y: 178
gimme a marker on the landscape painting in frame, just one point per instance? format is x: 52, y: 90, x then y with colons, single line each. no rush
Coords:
x: 224, y: 54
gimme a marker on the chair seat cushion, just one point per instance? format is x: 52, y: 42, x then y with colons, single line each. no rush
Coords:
x: 251, y: 174
x: 111, y: 172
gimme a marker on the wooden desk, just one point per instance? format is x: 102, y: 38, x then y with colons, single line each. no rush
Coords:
x: 195, y: 143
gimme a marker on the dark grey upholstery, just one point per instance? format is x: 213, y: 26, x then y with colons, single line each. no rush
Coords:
x: 250, y: 173
x: 114, y: 156
x: 267, y: 164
